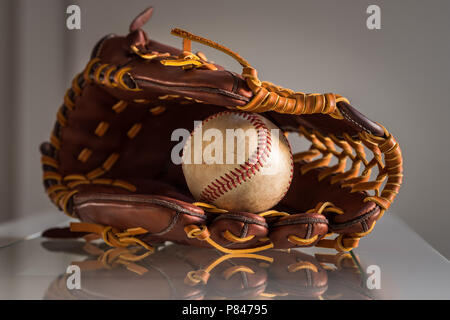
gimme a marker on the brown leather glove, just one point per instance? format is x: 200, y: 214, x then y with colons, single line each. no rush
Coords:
x: 180, y: 272
x: 108, y: 162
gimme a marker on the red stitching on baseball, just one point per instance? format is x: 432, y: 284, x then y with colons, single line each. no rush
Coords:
x: 256, y: 161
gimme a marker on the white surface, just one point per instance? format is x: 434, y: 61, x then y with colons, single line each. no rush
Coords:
x: 29, y: 226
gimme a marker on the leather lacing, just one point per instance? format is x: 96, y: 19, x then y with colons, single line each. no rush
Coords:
x: 201, y: 276
x: 324, y: 148
x: 112, y: 236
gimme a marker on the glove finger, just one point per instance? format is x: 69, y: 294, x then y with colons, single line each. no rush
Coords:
x: 357, y: 215
x: 352, y: 124
x: 162, y: 217
x: 296, y: 273
x: 298, y: 230
x: 239, y: 230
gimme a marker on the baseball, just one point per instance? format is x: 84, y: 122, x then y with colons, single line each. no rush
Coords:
x: 238, y: 161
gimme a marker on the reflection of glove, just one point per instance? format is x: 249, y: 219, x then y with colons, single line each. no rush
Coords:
x: 121, y: 273
x: 345, y: 280
x: 179, y: 272
x: 109, y: 164
x: 295, y: 275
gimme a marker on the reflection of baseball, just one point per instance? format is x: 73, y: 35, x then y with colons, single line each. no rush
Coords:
x: 238, y: 161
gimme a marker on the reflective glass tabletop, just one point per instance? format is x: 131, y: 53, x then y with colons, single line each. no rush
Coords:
x: 391, y: 263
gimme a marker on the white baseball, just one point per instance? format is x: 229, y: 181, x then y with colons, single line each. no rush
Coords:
x: 248, y: 172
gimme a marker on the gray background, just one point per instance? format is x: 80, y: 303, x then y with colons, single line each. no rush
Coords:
x: 398, y: 75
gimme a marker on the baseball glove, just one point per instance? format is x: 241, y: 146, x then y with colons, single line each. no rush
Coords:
x: 108, y: 162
